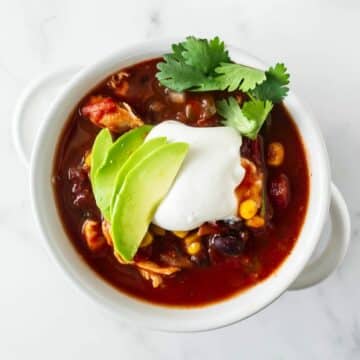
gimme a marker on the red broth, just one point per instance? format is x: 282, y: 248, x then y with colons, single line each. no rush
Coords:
x: 200, y: 285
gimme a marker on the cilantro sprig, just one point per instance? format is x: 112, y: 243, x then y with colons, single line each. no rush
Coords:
x: 249, y: 119
x: 192, y: 64
x: 204, y: 65
x: 274, y: 88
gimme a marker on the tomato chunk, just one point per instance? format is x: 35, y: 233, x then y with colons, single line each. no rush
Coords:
x: 97, y: 107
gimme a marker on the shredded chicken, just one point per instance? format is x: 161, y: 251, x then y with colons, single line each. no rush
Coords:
x: 121, y: 260
x: 151, y: 271
x: 155, y: 279
x: 118, y: 83
x: 93, y: 236
x: 154, y: 268
x: 147, y: 269
x: 105, y: 227
x: 105, y: 112
x: 252, y: 185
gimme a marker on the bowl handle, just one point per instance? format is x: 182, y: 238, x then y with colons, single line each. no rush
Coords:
x: 335, y: 250
x: 33, y: 104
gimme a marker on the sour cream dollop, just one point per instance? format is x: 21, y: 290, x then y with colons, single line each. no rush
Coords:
x: 204, y: 187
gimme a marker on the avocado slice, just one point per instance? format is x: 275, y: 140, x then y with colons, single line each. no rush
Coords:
x: 101, y: 146
x: 140, y: 153
x: 142, y: 191
x: 104, y: 178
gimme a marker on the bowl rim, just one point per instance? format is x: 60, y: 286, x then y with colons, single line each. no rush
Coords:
x: 159, y: 316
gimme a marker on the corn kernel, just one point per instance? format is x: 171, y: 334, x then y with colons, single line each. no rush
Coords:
x: 275, y: 154
x: 180, y: 234
x: 248, y: 209
x: 191, y: 238
x: 256, y: 222
x: 157, y: 230
x: 193, y: 248
x: 87, y: 160
x: 147, y: 240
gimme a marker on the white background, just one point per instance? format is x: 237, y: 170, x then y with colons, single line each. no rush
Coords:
x: 42, y: 315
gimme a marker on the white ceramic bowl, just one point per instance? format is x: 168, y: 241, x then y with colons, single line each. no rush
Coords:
x: 215, y: 315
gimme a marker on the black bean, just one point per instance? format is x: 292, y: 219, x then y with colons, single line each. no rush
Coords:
x: 227, y: 244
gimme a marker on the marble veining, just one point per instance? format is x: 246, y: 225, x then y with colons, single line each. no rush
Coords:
x: 42, y: 315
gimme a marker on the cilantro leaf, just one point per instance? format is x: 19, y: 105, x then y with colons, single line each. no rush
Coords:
x: 274, y: 87
x: 179, y: 76
x: 238, y: 77
x: 178, y: 50
x: 257, y: 110
x: 233, y: 116
x: 191, y: 64
x: 249, y: 119
x: 204, y: 55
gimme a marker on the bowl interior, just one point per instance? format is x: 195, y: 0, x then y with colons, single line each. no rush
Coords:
x: 142, y: 313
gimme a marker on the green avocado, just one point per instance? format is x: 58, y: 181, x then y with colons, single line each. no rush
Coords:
x: 117, y: 154
x: 102, y: 144
x: 142, y: 191
x: 140, y: 153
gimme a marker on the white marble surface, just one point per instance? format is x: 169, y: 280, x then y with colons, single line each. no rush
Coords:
x: 42, y: 316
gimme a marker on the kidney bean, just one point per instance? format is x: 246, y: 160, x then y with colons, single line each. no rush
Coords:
x: 279, y: 191
x: 208, y: 106
x: 155, y: 109
x: 193, y: 110
x: 180, y: 116
x: 80, y: 187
